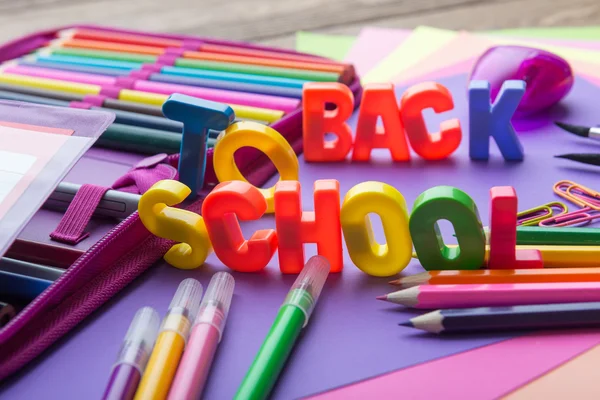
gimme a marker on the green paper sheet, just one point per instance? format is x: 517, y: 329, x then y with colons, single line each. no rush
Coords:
x: 331, y: 46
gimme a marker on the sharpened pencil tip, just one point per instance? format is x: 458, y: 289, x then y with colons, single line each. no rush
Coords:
x: 574, y: 129
x: 384, y: 297
x: 394, y: 282
x: 406, y: 323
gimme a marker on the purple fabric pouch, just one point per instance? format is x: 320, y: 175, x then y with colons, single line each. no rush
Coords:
x: 128, y: 249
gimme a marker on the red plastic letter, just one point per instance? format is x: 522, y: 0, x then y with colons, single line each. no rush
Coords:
x: 503, y: 233
x: 296, y: 227
x: 379, y: 100
x: 434, y: 146
x: 221, y: 209
x: 317, y: 121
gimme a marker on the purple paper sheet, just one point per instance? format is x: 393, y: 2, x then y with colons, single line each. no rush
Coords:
x: 351, y: 336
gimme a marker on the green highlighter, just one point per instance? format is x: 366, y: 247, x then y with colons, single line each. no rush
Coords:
x: 292, y: 317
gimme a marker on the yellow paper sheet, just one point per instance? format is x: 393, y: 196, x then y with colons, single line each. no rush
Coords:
x: 423, y: 42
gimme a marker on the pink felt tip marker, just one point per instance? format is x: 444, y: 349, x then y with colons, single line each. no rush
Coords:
x: 204, y: 338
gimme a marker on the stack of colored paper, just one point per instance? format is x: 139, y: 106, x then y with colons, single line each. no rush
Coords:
x: 550, y: 365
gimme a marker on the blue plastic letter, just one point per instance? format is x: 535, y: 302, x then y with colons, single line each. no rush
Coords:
x: 487, y: 120
x: 197, y: 116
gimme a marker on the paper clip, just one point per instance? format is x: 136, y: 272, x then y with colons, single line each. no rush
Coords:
x: 535, y: 215
x: 586, y: 198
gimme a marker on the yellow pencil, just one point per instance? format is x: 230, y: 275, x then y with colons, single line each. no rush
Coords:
x: 167, y: 352
x: 560, y: 256
x: 136, y: 96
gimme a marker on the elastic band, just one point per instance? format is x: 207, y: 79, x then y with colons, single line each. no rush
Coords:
x: 80, y: 104
x: 175, y: 51
x: 192, y: 44
x: 140, y: 74
x: 110, y: 91
x: 71, y: 228
x: 94, y: 99
x: 166, y: 59
x: 125, y: 82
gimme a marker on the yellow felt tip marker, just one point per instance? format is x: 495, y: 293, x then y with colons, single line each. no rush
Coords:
x: 173, y: 334
x: 555, y: 256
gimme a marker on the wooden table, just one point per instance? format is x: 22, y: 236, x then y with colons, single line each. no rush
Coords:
x: 274, y: 22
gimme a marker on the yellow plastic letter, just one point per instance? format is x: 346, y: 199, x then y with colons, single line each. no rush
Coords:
x: 260, y: 137
x: 369, y: 256
x: 176, y: 224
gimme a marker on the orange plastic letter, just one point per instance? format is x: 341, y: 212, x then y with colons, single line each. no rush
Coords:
x: 434, y: 146
x: 221, y: 209
x: 317, y: 121
x: 379, y: 100
x: 296, y: 227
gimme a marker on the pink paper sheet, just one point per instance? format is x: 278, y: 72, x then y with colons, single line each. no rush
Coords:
x: 496, y: 369
x: 372, y: 45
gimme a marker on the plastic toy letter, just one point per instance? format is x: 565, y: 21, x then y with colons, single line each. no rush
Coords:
x: 379, y: 100
x: 503, y: 233
x: 434, y: 146
x: 317, y: 121
x: 487, y: 120
x: 197, y: 116
x: 221, y: 209
x: 167, y: 222
x: 369, y: 256
x: 264, y: 138
x: 454, y: 205
x: 296, y: 227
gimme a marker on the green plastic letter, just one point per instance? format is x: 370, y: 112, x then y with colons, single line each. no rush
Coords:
x: 454, y: 205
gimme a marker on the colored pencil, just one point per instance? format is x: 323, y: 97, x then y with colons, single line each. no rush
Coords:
x: 32, y: 62
x: 192, y: 63
x: 258, y: 70
x: 201, y: 55
x: 30, y: 269
x: 241, y: 111
x: 224, y: 96
x: 584, y: 158
x: 487, y: 276
x: 492, y: 319
x: 565, y: 236
x: 43, y: 253
x: 101, y: 60
x: 225, y: 85
x: 498, y: 294
x: 147, y: 40
x: 560, y: 256
x: 21, y: 286
x: 121, y: 117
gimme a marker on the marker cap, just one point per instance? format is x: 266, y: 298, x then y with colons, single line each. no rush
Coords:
x: 307, y: 287
x: 217, y: 300
x: 139, y: 339
x: 187, y: 299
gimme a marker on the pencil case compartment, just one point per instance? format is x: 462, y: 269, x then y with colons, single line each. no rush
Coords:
x: 290, y: 125
x: 106, y: 268
x: 127, y: 250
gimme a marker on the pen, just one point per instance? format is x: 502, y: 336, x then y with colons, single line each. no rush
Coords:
x: 291, y: 318
x: 30, y: 269
x: 173, y: 334
x: 114, y: 203
x: 133, y: 355
x: 204, y: 338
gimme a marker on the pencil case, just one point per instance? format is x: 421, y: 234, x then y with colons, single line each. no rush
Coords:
x: 128, y: 249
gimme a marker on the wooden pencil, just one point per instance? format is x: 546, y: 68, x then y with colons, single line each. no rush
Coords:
x: 493, y: 319
x: 487, y: 276
x: 492, y: 295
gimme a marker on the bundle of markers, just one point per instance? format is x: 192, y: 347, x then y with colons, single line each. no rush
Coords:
x: 133, y: 74
x: 173, y: 360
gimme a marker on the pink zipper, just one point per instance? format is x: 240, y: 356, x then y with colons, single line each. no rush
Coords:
x: 38, y: 326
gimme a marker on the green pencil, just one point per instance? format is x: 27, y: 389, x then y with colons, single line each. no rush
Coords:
x: 291, y: 318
